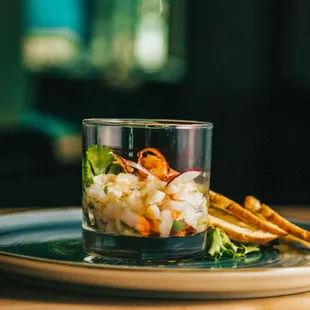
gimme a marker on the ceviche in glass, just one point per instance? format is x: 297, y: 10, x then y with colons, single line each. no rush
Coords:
x: 143, y: 198
x: 140, y: 205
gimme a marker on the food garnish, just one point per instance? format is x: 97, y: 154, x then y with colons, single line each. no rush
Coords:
x: 220, y: 245
x: 147, y: 197
x: 253, y: 222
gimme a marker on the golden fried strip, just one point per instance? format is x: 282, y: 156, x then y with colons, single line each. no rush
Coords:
x: 224, y: 203
x: 254, y: 205
x: 236, y: 229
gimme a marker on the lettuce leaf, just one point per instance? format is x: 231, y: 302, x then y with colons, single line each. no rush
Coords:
x: 219, y: 245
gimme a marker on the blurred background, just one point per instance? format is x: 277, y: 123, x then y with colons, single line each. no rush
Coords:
x: 243, y: 65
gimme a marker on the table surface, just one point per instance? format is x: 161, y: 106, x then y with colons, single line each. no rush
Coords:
x: 19, y: 296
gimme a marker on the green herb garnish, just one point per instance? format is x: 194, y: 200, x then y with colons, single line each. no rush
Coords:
x: 219, y: 245
x: 98, y: 159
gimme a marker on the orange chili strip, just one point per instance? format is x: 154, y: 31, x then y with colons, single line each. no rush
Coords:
x: 120, y: 161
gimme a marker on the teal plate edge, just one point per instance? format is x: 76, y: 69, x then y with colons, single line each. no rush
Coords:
x: 54, y: 235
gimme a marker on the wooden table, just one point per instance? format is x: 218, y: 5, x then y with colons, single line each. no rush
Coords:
x: 19, y: 296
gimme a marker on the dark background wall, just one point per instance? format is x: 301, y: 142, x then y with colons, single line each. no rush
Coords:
x: 247, y: 72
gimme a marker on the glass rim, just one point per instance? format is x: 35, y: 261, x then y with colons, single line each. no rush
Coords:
x: 154, y: 123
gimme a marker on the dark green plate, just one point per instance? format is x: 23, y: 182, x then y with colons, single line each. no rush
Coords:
x: 46, y: 245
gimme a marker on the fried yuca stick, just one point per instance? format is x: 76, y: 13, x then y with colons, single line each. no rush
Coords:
x: 256, y: 207
x: 237, y: 229
x: 230, y: 206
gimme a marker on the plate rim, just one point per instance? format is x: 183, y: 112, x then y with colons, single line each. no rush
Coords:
x: 151, y: 269
x: 246, y: 283
x: 254, y: 270
x: 159, y: 282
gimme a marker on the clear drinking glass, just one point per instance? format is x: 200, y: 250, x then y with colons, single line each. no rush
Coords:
x: 145, y: 188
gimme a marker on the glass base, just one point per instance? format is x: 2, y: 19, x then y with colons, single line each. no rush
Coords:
x: 133, y: 248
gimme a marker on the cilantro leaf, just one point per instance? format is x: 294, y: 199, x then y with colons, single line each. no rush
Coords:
x: 100, y: 158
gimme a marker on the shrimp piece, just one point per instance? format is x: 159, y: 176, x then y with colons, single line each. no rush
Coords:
x: 155, y: 225
x: 175, y: 214
x: 136, y: 222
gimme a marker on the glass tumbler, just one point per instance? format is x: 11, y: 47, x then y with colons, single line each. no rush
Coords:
x: 145, y: 188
